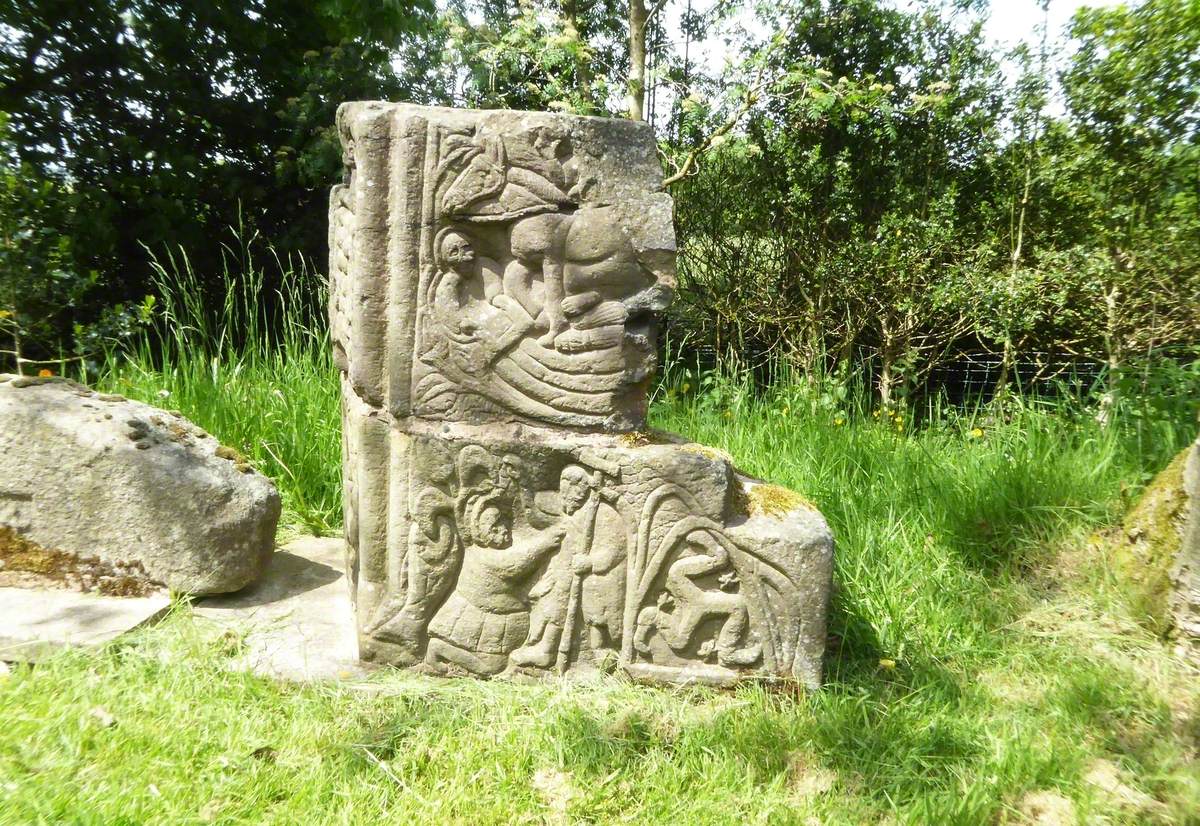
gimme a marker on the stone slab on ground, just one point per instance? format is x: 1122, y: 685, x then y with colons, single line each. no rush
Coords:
x: 36, y: 623
x: 297, y: 621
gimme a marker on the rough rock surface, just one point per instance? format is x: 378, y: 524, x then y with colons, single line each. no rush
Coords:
x: 495, y: 283
x: 1185, y: 575
x: 101, y: 493
x: 1156, y: 551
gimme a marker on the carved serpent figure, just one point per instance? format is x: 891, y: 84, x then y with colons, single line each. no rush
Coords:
x: 695, y: 604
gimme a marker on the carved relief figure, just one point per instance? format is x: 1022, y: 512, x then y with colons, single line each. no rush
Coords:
x: 694, y: 604
x: 486, y: 617
x: 585, y: 579
x: 541, y: 329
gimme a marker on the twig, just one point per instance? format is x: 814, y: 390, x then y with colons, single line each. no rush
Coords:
x: 748, y: 100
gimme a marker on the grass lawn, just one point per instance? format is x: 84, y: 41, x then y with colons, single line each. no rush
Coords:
x: 983, y: 664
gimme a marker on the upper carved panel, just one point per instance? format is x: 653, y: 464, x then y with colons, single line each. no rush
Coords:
x: 526, y: 257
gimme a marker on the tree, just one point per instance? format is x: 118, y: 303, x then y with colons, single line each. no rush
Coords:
x: 171, y: 120
x: 536, y: 54
x: 1133, y: 93
x: 866, y: 159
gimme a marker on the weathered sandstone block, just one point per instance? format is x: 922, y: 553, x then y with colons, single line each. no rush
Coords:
x: 1185, y: 574
x: 113, y: 494
x: 495, y: 279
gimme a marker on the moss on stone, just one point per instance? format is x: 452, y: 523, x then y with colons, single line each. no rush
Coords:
x: 774, y: 500
x: 1145, y: 546
x: 635, y: 438
x: 231, y: 454
x: 29, y: 564
x: 714, y: 453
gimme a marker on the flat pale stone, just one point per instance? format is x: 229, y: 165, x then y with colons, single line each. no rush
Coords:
x: 36, y: 623
x: 298, y: 621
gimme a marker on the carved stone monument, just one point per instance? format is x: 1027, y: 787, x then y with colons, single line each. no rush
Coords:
x: 495, y: 279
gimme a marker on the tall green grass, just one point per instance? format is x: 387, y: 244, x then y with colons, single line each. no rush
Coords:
x: 252, y: 367
x: 981, y: 658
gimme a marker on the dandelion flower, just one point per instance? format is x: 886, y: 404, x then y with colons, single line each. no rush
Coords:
x: 976, y: 433
x: 44, y: 373
x: 839, y: 421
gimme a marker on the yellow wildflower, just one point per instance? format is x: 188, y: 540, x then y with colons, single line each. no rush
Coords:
x: 976, y: 433
x: 44, y: 373
x: 839, y: 421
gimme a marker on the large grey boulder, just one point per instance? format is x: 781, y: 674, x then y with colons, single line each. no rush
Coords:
x: 1156, y: 552
x: 111, y: 494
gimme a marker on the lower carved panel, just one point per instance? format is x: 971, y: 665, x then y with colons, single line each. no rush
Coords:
x: 493, y: 552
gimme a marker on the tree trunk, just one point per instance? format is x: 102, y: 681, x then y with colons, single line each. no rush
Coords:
x: 17, y: 355
x: 1113, y: 353
x: 637, y: 59
x: 1006, y: 360
x: 885, y: 382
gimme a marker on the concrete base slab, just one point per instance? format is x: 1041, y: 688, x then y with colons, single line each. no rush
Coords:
x: 297, y: 622
x: 38, y: 622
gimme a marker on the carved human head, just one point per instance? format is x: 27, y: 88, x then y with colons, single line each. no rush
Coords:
x: 492, y: 529
x: 574, y: 487
x: 510, y: 470
x: 456, y: 252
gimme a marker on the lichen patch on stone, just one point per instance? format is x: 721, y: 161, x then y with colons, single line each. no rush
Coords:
x: 1145, y: 545
x: 714, y: 453
x: 231, y: 454
x: 635, y: 438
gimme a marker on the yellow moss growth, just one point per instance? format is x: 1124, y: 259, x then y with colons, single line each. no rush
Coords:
x: 231, y: 454
x: 774, y: 500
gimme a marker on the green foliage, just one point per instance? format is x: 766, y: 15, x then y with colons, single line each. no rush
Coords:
x: 894, y: 202
x: 537, y: 54
x: 168, y: 122
x: 863, y: 168
x: 37, y: 282
x: 43, y: 297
